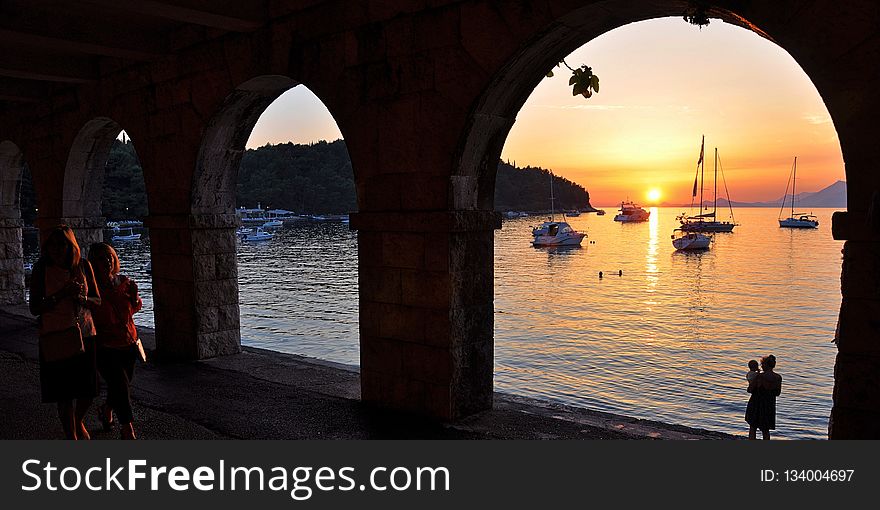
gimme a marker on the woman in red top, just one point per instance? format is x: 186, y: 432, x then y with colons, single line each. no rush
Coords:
x: 117, y: 337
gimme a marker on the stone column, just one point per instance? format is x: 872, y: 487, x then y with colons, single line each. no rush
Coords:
x: 195, y: 285
x: 426, y: 310
x: 11, y: 262
x: 856, y: 411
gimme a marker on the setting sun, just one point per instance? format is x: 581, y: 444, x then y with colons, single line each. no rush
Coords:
x: 654, y: 195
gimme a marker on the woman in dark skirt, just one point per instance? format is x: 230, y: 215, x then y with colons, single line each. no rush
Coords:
x: 761, y: 410
x: 62, y: 291
x: 117, y: 347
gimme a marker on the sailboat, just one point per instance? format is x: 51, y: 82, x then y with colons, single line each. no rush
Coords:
x: 694, y: 240
x: 556, y: 233
x: 707, y: 222
x: 796, y: 220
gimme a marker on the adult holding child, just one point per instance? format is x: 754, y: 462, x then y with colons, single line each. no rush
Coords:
x: 118, y: 345
x: 761, y: 409
x: 63, y: 292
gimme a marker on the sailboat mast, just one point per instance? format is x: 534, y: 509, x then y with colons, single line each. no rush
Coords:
x: 793, y: 184
x: 702, y: 170
x: 552, y: 208
x: 715, y: 207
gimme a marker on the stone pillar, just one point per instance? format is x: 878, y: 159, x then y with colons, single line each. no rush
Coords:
x: 426, y: 310
x: 11, y: 262
x: 195, y: 285
x: 856, y: 411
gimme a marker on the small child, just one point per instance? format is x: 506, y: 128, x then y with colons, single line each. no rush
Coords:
x: 753, y: 371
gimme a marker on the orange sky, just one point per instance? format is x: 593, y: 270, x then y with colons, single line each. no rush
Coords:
x: 664, y: 84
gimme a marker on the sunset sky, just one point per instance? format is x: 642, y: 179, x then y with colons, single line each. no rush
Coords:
x: 664, y: 84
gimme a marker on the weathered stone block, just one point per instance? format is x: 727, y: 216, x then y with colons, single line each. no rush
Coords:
x: 427, y: 363
x: 404, y: 250
x: 860, y: 278
x: 379, y: 284
x: 208, y: 319
x: 402, y: 323
x: 204, y: 267
x: 857, y: 382
x: 436, y: 252
x: 853, y: 424
x: 429, y: 289
x: 216, y: 292
x: 226, y: 265
x: 221, y: 343
x: 382, y: 356
x: 858, y: 329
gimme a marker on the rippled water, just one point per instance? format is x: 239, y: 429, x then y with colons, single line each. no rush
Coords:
x: 669, y: 340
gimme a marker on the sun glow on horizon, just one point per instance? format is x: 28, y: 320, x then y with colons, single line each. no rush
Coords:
x: 665, y: 84
x: 654, y: 195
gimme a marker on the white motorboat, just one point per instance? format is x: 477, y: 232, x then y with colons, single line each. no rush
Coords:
x: 795, y: 220
x: 707, y: 222
x: 556, y: 233
x: 130, y: 236
x: 631, y: 213
x: 258, y: 235
x: 273, y: 224
x: 690, y: 240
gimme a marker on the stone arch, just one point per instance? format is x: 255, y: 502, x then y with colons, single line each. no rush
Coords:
x: 223, y: 143
x: 494, y: 113
x: 850, y: 104
x: 213, y: 221
x: 11, y: 257
x: 84, y: 172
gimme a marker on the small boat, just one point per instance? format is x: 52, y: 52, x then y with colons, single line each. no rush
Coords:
x: 631, y: 212
x: 795, y: 220
x: 687, y: 241
x: 573, y: 214
x: 243, y: 230
x: 258, y: 235
x: 600, y: 212
x: 707, y: 222
x: 273, y: 224
x: 556, y: 233
x: 131, y: 236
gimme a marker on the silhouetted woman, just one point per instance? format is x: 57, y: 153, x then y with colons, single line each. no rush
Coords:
x: 62, y: 291
x: 761, y: 410
x: 117, y: 336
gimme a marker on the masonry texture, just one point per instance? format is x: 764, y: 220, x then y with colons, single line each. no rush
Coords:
x: 425, y: 94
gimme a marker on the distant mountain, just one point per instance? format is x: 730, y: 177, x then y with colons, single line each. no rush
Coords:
x: 832, y: 196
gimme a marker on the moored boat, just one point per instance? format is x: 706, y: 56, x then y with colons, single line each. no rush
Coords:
x: 130, y: 236
x: 795, y: 220
x: 687, y: 241
x: 631, y: 212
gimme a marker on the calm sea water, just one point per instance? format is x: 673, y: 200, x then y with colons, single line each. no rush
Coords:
x: 668, y: 340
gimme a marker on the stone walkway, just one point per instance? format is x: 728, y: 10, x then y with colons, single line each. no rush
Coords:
x: 261, y: 394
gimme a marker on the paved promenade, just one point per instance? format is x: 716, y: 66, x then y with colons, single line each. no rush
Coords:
x: 261, y: 394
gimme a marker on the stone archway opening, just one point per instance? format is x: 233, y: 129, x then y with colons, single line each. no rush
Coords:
x: 274, y: 167
x: 494, y: 116
x: 105, y: 200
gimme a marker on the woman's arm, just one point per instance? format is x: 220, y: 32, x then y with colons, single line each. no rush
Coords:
x: 93, y: 297
x: 777, y: 387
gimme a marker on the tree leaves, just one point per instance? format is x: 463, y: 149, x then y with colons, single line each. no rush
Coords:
x: 583, y: 82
